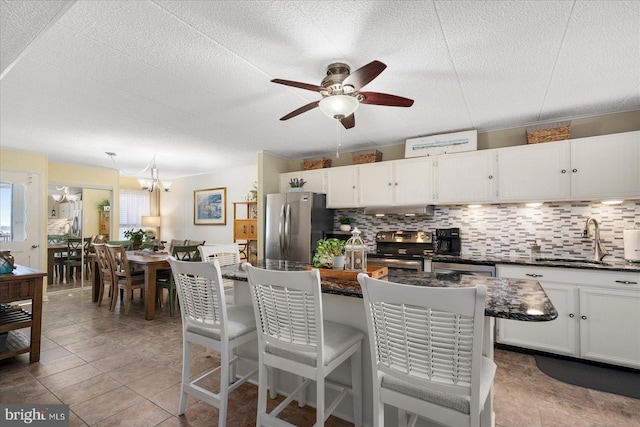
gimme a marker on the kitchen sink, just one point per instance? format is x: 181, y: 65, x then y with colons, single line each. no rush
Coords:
x: 572, y: 260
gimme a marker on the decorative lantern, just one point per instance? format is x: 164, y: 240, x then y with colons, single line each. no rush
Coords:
x: 355, y: 253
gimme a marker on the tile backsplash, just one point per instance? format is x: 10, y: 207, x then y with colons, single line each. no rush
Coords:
x: 510, y: 229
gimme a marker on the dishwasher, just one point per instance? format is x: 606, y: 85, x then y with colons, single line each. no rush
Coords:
x: 439, y: 267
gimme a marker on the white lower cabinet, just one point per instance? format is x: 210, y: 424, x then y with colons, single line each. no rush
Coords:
x: 598, y: 315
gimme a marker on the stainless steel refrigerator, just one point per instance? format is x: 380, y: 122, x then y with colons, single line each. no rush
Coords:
x: 294, y: 223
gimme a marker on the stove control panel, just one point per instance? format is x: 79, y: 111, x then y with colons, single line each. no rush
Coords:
x: 403, y: 237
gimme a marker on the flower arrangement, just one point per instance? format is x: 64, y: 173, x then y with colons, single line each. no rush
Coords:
x: 296, y: 183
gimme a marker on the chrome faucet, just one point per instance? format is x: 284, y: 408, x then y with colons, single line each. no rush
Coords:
x: 599, y: 251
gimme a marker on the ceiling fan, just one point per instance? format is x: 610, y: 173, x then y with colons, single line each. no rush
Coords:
x: 341, y: 95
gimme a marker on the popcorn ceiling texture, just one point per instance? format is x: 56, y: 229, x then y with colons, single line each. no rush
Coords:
x: 510, y: 230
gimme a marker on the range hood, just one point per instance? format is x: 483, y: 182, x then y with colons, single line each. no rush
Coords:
x: 400, y: 210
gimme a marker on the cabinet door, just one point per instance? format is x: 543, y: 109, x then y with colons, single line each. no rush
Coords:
x: 465, y: 177
x: 557, y: 336
x: 606, y: 166
x: 242, y: 229
x: 342, y: 187
x: 376, y: 184
x: 315, y: 180
x: 534, y: 173
x: 610, y: 326
x: 413, y: 181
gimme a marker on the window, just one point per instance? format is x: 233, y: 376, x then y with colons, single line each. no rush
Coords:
x: 134, y: 204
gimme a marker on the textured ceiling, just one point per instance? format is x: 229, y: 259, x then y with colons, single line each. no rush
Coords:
x: 189, y: 83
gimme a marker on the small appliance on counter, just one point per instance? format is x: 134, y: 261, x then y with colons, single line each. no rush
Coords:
x: 447, y: 241
x: 631, y: 245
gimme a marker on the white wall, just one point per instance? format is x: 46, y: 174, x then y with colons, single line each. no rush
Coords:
x: 176, y: 206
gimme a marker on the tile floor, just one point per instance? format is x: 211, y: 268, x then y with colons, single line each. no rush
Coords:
x: 116, y: 370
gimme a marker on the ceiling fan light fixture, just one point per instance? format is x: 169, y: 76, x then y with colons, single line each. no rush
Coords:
x: 338, y: 106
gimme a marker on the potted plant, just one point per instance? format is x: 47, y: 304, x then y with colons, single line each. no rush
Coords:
x: 135, y: 236
x: 329, y: 254
x: 101, y: 204
x: 296, y: 184
x: 345, y: 222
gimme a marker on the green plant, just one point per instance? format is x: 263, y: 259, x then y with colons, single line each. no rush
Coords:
x: 326, y: 249
x: 345, y: 220
x: 134, y: 235
x: 296, y: 183
x: 101, y: 204
x: 253, y: 193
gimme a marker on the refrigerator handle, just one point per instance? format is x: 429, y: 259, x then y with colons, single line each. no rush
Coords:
x: 281, y: 233
x: 287, y: 230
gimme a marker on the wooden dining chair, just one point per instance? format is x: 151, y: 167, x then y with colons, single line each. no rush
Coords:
x: 75, y: 252
x: 59, y: 258
x: 426, y: 352
x: 105, y: 272
x: 121, y: 275
x: 166, y: 281
x: 207, y: 321
x: 294, y: 337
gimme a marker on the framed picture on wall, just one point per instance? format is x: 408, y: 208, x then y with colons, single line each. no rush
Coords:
x: 210, y: 206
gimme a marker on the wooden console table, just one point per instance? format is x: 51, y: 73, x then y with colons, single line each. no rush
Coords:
x: 24, y: 283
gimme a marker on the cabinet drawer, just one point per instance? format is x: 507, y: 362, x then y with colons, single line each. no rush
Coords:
x: 583, y: 277
x: 13, y: 291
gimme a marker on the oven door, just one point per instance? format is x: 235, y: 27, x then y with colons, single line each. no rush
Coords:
x: 470, y: 269
x: 404, y: 264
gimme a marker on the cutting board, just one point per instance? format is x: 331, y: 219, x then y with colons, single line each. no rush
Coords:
x: 373, y: 271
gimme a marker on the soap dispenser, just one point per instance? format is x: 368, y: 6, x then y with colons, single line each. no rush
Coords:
x: 535, y: 251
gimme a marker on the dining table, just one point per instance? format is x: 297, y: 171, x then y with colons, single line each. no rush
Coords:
x: 150, y: 263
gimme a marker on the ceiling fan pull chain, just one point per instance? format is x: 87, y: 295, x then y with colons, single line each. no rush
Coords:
x: 338, y: 139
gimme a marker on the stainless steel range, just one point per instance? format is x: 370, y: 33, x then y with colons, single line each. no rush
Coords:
x: 402, y: 249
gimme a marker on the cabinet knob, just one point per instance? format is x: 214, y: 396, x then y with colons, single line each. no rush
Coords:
x: 563, y: 171
x: 574, y: 170
x: 389, y: 184
x: 626, y: 282
x: 490, y: 176
x: 534, y: 275
x: 396, y: 183
x: 571, y: 315
x: 583, y: 317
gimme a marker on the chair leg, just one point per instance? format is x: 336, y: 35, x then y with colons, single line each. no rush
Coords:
x: 302, y: 396
x: 172, y: 293
x: 186, y: 368
x: 356, y: 385
x: 101, y: 294
x: 320, y: 406
x: 273, y: 393
x: 224, y: 387
x: 262, y: 391
x: 127, y: 303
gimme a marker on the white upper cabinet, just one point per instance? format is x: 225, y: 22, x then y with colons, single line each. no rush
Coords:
x: 539, y: 172
x: 342, y: 191
x: 315, y: 180
x: 397, y: 183
x: 606, y: 166
x: 465, y: 177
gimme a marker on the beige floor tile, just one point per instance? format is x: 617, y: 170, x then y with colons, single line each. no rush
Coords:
x: 102, y: 407
x: 87, y: 389
x: 69, y: 377
x: 155, y: 383
x: 142, y: 414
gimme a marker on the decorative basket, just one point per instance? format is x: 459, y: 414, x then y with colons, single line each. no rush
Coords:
x: 317, y: 163
x: 366, y: 156
x: 548, y: 132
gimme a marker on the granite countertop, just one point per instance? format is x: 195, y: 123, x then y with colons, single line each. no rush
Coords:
x: 608, y: 264
x: 506, y: 298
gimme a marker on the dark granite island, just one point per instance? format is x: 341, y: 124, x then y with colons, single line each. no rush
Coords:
x: 523, y: 300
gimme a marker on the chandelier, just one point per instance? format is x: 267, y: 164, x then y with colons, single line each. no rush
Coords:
x: 153, y: 183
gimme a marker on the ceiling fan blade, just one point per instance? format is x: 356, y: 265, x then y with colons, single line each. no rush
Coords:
x: 306, y: 86
x: 363, y: 75
x: 349, y: 121
x: 304, y: 108
x: 376, y: 98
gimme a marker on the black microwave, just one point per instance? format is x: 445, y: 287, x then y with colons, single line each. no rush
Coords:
x: 446, y: 241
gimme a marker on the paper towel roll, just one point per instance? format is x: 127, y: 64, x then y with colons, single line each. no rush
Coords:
x: 632, y: 245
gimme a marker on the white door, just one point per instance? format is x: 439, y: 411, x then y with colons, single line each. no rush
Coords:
x: 341, y: 187
x: 376, y: 184
x: 413, y: 182
x: 21, y: 216
x: 534, y: 173
x: 606, y: 166
x: 465, y: 177
x: 610, y: 326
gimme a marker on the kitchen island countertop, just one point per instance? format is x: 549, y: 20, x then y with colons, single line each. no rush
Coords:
x: 506, y: 298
